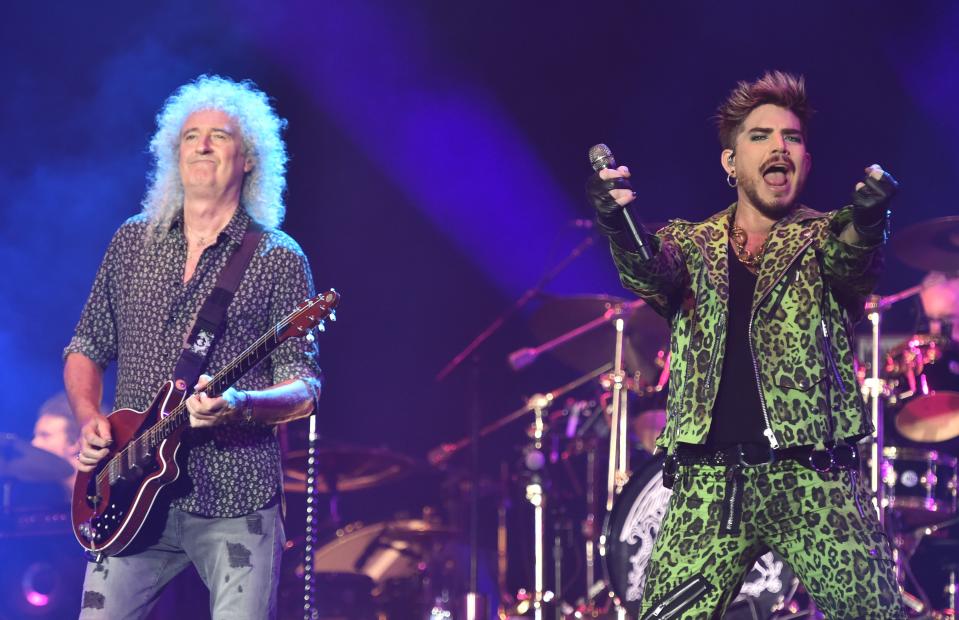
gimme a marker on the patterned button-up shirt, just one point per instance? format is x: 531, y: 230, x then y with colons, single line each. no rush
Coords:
x: 139, y: 314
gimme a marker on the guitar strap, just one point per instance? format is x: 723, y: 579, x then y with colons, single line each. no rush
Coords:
x: 209, y: 321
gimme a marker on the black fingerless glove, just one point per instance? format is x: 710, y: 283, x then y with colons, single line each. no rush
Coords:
x: 610, y: 220
x: 870, y: 213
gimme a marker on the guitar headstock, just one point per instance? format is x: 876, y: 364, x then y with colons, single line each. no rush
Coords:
x: 309, y: 314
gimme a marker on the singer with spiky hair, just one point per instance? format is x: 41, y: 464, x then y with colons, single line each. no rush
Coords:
x: 216, y: 188
x: 764, y: 412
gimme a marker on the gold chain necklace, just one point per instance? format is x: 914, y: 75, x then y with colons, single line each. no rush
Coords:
x: 739, y: 238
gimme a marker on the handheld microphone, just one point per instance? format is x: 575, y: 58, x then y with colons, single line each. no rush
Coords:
x: 601, y: 157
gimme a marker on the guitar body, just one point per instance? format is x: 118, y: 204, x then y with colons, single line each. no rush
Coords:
x: 111, y: 503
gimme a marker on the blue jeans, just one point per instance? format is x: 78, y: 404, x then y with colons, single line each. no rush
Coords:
x: 237, y: 558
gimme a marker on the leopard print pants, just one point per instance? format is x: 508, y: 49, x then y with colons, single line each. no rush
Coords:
x: 823, y: 526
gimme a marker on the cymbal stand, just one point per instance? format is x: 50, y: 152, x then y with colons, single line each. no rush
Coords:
x: 310, y: 611
x: 618, y: 473
x: 874, y: 387
x: 618, y: 453
x: 536, y: 495
x: 502, y: 535
x: 475, y: 603
x: 909, y: 542
x: 589, y: 525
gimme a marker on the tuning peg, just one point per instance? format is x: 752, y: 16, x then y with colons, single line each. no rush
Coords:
x: 333, y: 315
x: 310, y: 337
x: 321, y: 326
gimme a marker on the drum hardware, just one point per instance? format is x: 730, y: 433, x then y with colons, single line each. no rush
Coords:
x: 618, y: 471
x: 534, y: 492
x: 401, y: 560
x: 589, y: 523
x: 346, y: 467
x: 603, y: 310
x: 907, y: 543
x: 536, y: 496
x: 874, y: 387
x: 331, y: 468
x: 568, y: 328
x: 919, y: 484
x: 914, y: 485
x: 312, y: 499
x: 924, y: 373
x: 502, y: 536
x: 440, y: 455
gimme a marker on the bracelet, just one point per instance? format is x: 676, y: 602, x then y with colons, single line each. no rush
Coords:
x: 246, y: 406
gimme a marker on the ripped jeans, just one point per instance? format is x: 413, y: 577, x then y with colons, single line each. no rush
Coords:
x: 237, y: 558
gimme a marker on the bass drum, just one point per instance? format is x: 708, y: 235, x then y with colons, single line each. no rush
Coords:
x: 627, y: 544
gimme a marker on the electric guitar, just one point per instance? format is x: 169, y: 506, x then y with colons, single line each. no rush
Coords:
x: 112, y: 502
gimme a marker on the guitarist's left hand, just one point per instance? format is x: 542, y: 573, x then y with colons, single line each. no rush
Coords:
x: 210, y: 411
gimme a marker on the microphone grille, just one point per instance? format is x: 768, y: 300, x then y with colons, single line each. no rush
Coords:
x: 601, y: 157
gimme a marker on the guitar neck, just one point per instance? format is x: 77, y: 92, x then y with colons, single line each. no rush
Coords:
x: 254, y: 354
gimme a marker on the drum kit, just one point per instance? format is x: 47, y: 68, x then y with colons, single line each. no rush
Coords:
x: 579, y: 504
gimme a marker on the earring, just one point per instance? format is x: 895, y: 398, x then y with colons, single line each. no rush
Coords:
x: 731, y: 180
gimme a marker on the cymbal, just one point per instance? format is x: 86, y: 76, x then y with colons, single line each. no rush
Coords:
x: 19, y: 460
x: 645, y: 333
x: 352, y: 467
x: 932, y: 245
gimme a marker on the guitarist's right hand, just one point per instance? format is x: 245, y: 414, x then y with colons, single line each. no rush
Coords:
x: 95, y: 438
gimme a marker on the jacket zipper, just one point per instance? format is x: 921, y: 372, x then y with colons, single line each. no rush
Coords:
x: 830, y: 358
x: 732, y: 502
x: 768, y: 433
x: 674, y: 604
x: 712, y: 360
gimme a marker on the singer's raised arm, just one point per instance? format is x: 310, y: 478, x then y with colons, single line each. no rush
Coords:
x: 662, y: 280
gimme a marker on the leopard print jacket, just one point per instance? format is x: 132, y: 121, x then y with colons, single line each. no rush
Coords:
x: 809, y: 283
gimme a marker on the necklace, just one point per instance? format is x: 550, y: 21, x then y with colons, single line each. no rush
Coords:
x: 205, y: 240
x: 739, y: 238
